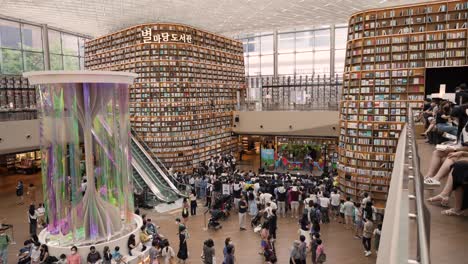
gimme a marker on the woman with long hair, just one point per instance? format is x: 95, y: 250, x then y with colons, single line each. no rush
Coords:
x: 32, y: 219
x: 106, y: 256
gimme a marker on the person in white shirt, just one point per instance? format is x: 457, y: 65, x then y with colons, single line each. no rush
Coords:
x: 348, y: 212
x: 335, y: 203
x: 324, y: 207
x: 265, y: 198
x: 366, y: 199
x: 270, y: 206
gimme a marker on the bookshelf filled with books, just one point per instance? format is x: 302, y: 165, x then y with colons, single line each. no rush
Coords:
x: 17, y: 98
x: 182, y: 102
x: 387, y: 53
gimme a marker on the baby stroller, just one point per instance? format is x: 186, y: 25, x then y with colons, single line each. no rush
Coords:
x: 213, y: 222
x: 223, y: 204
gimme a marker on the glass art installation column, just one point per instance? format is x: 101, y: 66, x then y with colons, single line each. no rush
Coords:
x: 86, y: 159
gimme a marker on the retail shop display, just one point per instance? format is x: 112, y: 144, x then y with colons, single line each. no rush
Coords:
x: 387, y: 53
x: 182, y: 101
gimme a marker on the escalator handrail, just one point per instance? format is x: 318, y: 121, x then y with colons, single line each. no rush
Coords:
x: 157, y: 160
x: 155, y: 178
x: 141, y: 144
x: 154, y: 189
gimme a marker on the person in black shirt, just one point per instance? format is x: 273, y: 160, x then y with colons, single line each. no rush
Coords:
x: 273, y: 219
x: 242, y: 212
x: 443, y: 119
x: 93, y: 256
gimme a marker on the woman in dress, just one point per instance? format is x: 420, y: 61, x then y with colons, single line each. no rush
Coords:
x: 182, y: 255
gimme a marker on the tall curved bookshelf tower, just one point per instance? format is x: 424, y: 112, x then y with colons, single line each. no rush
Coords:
x: 387, y: 53
x: 182, y: 103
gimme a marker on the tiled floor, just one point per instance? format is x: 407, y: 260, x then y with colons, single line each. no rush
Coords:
x: 448, y: 234
x: 340, y: 245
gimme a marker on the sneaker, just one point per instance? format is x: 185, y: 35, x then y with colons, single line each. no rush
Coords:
x: 449, y: 136
x: 431, y: 182
x: 368, y: 253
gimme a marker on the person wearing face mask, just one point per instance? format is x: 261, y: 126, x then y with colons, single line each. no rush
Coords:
x: 93, y: 256
x: 74, y: 257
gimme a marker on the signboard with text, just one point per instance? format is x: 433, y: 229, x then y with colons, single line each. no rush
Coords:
x: 150, y: 37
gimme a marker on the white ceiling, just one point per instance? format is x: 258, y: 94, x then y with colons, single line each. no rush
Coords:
x: 229, y: 17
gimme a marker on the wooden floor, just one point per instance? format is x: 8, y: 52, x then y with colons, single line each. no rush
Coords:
x: 448, y: 234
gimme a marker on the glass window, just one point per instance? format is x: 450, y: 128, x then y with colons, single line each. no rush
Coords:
x: 69, y: 45
x: 341, y: 35
x: 33, y: 61
x: 322, y: 39
x: 267, y: 65
x: 253, y: 47
x: 266, y: 44
x: 56, y: 62
x: 71, y: 63
x: 81, y: 45
x: 10, y: 34
x: 55, y: 43
x: 82, y: 65
x: 246, y: 65
x: 254, y: 65
x: 322, y: 62
x: 304, y: 41
x: 245, y: 45
x: 340, y: 56
x: 32, y: 37
x: 12, y: 62
x: 286, y: 63
x: 286, y: 42
x: 304, y: 62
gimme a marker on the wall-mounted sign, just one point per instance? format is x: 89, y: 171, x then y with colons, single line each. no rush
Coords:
x: 149, y: 37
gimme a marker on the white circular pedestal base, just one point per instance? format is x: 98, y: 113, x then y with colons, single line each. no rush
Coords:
x: 121, y: 242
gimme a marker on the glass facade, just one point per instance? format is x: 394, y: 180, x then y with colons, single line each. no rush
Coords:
x: 301, y: 52
x: 66, y: 51
x: 21, y: 49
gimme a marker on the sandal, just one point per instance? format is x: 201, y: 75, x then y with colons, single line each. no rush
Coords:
x: 452, y: 212
x: 431, y: 182
x: 444, y: 201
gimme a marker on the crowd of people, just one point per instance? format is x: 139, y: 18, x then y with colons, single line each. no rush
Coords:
x: 311, y: 201
x: 450, y: 158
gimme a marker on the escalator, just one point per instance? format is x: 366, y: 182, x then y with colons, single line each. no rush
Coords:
x: 149, y: 175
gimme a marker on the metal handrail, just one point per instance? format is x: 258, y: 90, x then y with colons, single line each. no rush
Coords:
x: 151, y: 185
x: 161, y: 165
x: 394, y: 238
x: 422, y: 212
x: 168, y: 188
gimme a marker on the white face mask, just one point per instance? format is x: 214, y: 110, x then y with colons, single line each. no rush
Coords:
x: 73, y: 252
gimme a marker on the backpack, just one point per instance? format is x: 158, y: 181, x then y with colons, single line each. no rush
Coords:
x: 322, y: 257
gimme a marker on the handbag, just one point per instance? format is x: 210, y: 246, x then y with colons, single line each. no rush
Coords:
x: 322, y: 257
